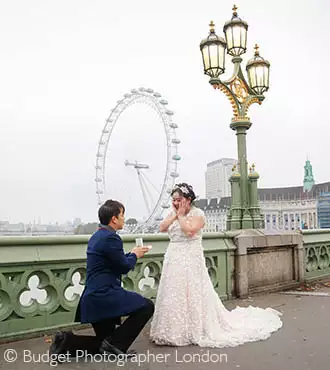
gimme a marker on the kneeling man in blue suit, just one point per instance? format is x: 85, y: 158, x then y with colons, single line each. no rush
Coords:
x: 104, y: 301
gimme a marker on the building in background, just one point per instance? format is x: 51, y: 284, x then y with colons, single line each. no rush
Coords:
x: 217, y: 176
x: 308, y: 178
x: 215, y: 210
x: 323, y: 210
x: 288, y: 208
x: 33, y: 228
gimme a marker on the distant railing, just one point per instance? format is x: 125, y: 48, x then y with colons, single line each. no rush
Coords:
x: 317, y: 253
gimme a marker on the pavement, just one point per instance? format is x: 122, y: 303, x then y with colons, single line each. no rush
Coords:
x: 301, y: 344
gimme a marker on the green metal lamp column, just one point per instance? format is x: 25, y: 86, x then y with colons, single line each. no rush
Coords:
x: 241, y: 127
x: 245, y: 211
x: 234, y: 219
x: 241, y: 98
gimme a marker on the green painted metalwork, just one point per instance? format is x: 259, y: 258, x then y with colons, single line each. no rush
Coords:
x: 57, y: 266
x: 257, y: 217
x: 242, y: 95
x: 242, y: 215
x: 33, y: 267
x: 317, y: 253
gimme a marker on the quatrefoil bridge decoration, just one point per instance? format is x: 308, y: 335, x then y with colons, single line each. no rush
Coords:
x: 75, y: 289
x: 6, y: 307
x: 324, y: 258
x: 312, y: 261
x: 212, y: 269
x: 37, y: 294
x: 146, y: 281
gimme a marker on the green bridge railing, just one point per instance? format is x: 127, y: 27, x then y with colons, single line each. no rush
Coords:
x: 41, y: 277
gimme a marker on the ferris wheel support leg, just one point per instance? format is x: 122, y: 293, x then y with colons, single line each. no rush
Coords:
x: 143, y: 191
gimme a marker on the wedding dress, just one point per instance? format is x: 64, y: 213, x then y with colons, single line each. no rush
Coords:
x: 189, y: 311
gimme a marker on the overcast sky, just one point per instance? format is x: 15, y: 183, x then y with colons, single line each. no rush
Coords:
x: 64, y: 65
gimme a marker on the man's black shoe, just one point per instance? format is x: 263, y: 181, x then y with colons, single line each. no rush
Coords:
x: 58, y: 345
x: 131, y: 353
x: 107, y: 347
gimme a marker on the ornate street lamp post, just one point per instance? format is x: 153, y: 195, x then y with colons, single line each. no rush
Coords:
x: 245, y: 210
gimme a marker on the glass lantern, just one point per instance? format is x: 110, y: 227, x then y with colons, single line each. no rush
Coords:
x: 258, y: 73
x: 236, y: 35
x: 213, y: 53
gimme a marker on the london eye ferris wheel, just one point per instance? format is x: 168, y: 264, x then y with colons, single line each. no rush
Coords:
x: 155, y: 197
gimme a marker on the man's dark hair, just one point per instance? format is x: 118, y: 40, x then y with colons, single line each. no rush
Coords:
x: 109, y: 209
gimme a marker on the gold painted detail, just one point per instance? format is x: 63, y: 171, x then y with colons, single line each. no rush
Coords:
x: 240, y: 119
x: 229, y: 96
x: 253, y: 168
x: 239, y: 89
x: 235, y: 172
x: 256, y: 48
x: 253, y: 173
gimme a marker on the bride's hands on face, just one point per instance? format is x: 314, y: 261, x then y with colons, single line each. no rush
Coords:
x: 183, y: 207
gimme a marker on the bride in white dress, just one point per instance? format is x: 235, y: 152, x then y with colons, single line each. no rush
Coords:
x: 188, y: 310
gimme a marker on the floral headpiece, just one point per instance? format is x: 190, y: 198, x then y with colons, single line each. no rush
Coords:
x: 185, y: 189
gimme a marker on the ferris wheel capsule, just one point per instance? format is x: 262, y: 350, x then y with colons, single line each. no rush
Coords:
x: 176, y: 141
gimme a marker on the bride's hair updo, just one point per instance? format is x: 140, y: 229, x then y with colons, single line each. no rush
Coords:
x: 185, y: 190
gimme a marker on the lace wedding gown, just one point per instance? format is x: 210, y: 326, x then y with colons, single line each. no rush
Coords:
x: 188, y: 309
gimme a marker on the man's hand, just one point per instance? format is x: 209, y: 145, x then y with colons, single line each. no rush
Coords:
x: 140, y: 251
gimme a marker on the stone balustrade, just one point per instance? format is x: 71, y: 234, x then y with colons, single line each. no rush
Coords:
x: 41, y: 278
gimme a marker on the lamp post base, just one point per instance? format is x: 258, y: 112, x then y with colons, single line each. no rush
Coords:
x: 244, y: 220
x: 245, y: 212
x: 247, y: 222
